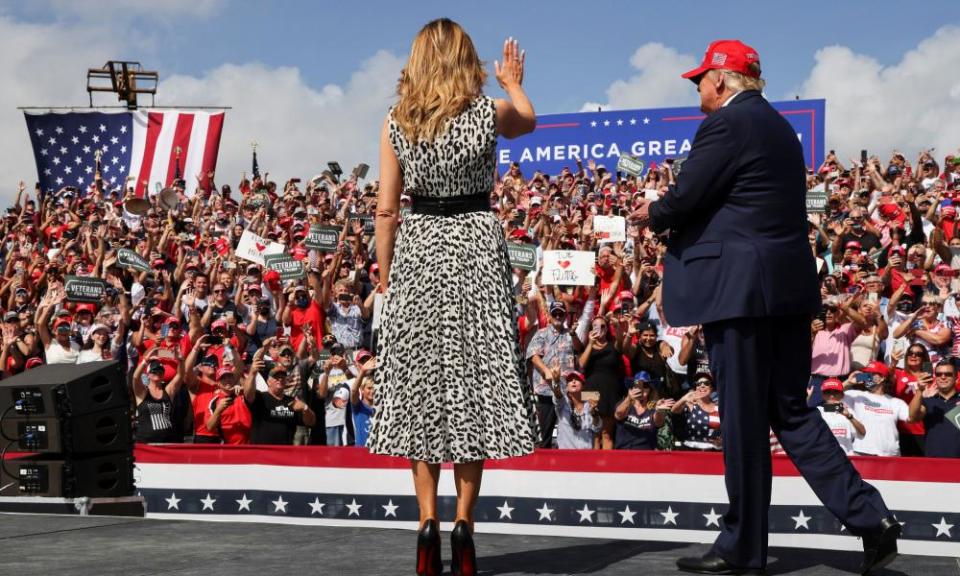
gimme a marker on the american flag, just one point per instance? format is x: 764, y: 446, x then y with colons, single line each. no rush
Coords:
x: 141, y: 144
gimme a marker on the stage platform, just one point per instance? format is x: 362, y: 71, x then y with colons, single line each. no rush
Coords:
x: 42, y: 545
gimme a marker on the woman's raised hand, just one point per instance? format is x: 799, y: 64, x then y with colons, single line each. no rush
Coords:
x: 510, y: 72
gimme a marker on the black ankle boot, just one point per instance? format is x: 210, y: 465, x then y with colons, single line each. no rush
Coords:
x: 464, y: 558
x: 428, y: 550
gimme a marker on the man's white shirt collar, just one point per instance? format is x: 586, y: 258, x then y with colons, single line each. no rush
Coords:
x: 730, y: 99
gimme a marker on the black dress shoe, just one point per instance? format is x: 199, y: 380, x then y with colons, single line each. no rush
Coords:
x: 880, y: 548
x: 428, y: 550
x: 463, y: 556
x: 713, y: 564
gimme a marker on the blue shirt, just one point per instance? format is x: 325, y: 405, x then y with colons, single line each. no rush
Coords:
x: 569, y: 434
x: 943, y: 438
x: 638, y: 431
x: 361, y: 422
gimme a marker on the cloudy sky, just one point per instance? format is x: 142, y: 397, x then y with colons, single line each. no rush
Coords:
x: 311, y: 81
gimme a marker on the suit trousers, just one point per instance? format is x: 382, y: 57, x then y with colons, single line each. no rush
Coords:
x: 762, y: 367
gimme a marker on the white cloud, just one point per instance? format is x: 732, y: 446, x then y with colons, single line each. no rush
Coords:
x: 298, y: 128
x: 910, y: 105
x: 98, y: 10
x: 44, y: 65
x: 656, y: 83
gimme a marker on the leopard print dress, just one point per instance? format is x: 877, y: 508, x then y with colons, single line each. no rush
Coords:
x: 450, y: 384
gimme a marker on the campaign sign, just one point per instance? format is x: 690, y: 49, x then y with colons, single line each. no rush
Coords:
x: 369, y: 225
x: 610, y: 228
x: 84, y: 289
x: 285, y: 265
x: 650, y: 135
x: 522, y: 256
x: 816, y: 199
x: 253, y: 248
x: 630, y: 165
x: 127, y: 258
x: 568, y: 267
x: 322, y: 238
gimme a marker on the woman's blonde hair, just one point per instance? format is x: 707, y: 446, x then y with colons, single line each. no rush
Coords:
x: 442, y: 77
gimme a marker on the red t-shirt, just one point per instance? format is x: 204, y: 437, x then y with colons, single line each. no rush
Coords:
x: 236, y: 421
x: 905, y: 387
x: 298, y: 317
x: 203, y: 405
x: 181, y: 349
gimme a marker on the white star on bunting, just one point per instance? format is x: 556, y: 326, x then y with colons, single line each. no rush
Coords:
x: 669, y: 517
x: 389, y: 509
x: 801, y: 520
x: 279, y: 505
x: 626, y: 515
x: 505, y: 511
x: 545, y: 513
x: 586, y: 514
x: 713, y: 518
x: 173, y: 503
x: 646, y: 120
x: 208, y: 502
x: 943, y: 528
x: 354, y: 508
x: 316, y: 507
x: 244, y: 503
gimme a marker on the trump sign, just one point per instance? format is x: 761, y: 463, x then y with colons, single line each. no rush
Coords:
x: 651, y: 135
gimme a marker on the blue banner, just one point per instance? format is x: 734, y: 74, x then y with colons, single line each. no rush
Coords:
x: 651, y: 135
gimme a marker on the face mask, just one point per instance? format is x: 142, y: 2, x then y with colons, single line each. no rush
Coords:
x: 858, y: 227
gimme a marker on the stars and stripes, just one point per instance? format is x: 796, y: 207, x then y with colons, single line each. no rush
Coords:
x: 557, y: 512
x: 137, y: 144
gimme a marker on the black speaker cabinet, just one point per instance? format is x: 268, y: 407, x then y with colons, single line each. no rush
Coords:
x: 105, y: 431
x: 64, y: 390
x: 108, y: 475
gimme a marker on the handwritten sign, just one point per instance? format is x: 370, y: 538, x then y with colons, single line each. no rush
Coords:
x: 253, y: 248
x: 610, y: 228
x: 568, y: 267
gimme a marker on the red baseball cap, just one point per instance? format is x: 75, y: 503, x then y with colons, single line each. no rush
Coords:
x: 223, y: 371
x: 853, y: 244
x: 831, y: 385
x: 876, y: 367
x: 731, y: 55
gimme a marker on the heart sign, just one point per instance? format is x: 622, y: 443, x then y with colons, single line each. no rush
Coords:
x: 568, y: 267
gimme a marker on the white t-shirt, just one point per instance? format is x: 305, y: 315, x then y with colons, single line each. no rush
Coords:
x: 879, y: 416
x: 841, y: 428
x: 56, y: 354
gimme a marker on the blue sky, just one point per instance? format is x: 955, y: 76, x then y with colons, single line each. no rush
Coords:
x: 565, y: 40
x: 313, y: 79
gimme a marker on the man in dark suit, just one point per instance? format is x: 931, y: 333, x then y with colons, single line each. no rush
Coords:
x: 737, y: 222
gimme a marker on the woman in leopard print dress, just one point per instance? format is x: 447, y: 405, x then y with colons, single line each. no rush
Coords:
x: 450, y: 383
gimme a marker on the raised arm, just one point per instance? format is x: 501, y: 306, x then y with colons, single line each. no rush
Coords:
x: 516, y: 116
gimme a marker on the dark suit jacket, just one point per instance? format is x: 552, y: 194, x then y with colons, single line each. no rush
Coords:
x: 738, y: 245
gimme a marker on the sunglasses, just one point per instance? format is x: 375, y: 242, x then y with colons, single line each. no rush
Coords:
x: 558, y: 314
x: 704, y: 383
x: 218, y: 290
x: 914, y: 353
x: 944, y: 374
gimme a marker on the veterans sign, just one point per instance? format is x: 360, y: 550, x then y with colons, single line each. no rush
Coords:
x: 285, y: 265
x: 84, y: 288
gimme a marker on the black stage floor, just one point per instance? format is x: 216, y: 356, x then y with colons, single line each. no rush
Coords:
x: 104, y: 546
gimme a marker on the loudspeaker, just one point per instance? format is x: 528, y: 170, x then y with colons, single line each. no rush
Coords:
x: 105, y: 431
x: 65, y: 390
x: 94, y: 476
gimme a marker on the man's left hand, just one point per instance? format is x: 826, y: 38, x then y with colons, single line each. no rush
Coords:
x: 641, y: 215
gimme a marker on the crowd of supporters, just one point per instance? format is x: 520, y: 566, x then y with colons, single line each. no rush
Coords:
x: 220, y: 349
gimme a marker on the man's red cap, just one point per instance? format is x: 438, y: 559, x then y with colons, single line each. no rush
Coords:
x: 831, y: 385
x: 854, y: 245
x: 731, y: 55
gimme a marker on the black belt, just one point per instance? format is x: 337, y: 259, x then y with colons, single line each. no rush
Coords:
x: 449, y: 205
